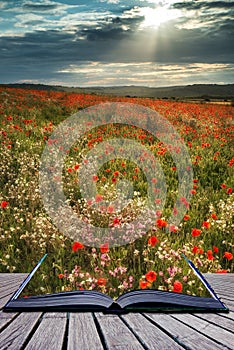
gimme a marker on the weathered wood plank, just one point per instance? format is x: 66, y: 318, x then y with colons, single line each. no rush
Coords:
x: 183, y: 334
x: 208, y: 329
x: 50, y: 333
x: 5, y: 299
x: 230, y: 315
x: 218, y: 320
x: 6, y: 318
x: 13, y: 286
x: 12, y: 283
x: 219, y: 289
x: 218, y: 280
x: 149, y: 334
x: 6, y: 278
x: 116, y: 334
x: 226, y: 295
x: 82, y: 332
x: 15, y: 335
x: 9, y: 288
x: 6, y: 282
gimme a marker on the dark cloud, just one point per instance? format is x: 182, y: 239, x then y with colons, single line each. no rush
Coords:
x: 115, y: 45
x: 39, y: 7
x: 114, y: 28
x: 198, y: 5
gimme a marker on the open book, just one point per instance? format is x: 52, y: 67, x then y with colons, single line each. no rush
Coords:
x: 147, y: 300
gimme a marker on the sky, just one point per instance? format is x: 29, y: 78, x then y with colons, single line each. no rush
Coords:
x: 116, y: 42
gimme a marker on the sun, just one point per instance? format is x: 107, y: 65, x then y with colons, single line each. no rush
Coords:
x: 153, y: 18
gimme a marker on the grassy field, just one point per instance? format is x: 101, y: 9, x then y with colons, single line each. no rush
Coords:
x: 205, y: 234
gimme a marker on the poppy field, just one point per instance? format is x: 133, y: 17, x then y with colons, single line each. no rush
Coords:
x: 151, y: 260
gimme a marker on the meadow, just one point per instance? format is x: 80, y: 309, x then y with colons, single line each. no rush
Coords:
x: 205, y: 234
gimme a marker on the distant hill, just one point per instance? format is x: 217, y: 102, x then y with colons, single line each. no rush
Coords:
x: 203, y: 91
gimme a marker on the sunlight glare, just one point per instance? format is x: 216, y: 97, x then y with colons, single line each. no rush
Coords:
x: 153, y: 18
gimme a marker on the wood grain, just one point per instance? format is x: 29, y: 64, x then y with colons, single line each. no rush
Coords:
x: 183, y: 333
x: 50, y: 333
x: 116, y: 334
x: 83, y: 333
x: 149, y: 334
x: 15, y: 335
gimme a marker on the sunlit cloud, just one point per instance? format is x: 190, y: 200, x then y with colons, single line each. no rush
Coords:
x: 153, y: 18
x: 138, y: 73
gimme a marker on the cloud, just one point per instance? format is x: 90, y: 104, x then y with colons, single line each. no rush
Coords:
x: 203, y: 14
x: 149, y: 73
x: 28, y: 19
x: 110, y: 1
x: 198, y: 5
x: 41, y: 7
x: 109, y: 41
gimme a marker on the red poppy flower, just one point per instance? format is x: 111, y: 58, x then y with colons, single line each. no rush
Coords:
x: 60, y: 275
x: 196, y: 232
x: 116, y: 222
x: 206, y: 224
x: 98, y: 198
x: 76, y: 246
x: 186, y: 217
x: 209, y: 254
x: 101, y: 281
x: 104, y: 248
x: 214, y: 216
x: 229, y: 190
x: 228, y: 255
x: 221, y: 271
x: 144, y: 284
x: 190, y: 144
x: 195, y: 249
x: 231, y: 162
x: 161, y: 223
x: 177, y: 287
x: 173, y: 228
x: 215, y: 249
x: 151, y: 276
x: 4, y: 204
x: 153, y: 241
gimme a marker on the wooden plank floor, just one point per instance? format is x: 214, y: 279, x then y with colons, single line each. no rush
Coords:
x: 96, y: 331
